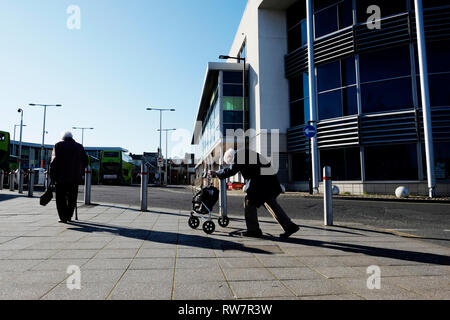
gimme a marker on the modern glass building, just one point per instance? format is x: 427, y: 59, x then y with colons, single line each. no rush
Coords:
x: 221, y: 109
x: 352, y: 69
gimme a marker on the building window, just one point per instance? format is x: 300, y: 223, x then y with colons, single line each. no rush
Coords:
x: 331, y: 16
x: 232, y: 102
x: 387, y: 8
x: 301, y: 166
x: 296, y: 25
x: 391, y: 162
x: 433, y: 3
x: 336, y: 86
x: 438, y: 73
x: 345, y: 163
x: 386, y: 83
x: 441, y: 161
x: 298, y: 97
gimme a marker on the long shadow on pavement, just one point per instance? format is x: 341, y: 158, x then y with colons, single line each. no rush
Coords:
x: 429, y: 258
x: 164, y: 237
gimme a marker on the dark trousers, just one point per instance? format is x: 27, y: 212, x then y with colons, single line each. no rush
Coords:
x: 66, y: 200
x: 251, y: 214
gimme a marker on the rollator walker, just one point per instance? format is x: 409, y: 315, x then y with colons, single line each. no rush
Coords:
x: 203, y: 203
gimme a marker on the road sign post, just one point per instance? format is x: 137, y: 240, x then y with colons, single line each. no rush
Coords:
x: 310, y: 132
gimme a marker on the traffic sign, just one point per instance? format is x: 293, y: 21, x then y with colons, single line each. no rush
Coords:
x: 310, y: 131
x: 160, y: 161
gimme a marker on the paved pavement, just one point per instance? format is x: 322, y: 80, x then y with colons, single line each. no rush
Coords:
x: 123, y: 253
x: 427, y: 220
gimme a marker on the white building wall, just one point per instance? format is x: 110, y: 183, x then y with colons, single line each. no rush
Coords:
x: 266, y: 39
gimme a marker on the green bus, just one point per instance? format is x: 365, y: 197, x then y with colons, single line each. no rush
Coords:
x: 4, y: 150
x: 94, y: 163
x: 116, y: 167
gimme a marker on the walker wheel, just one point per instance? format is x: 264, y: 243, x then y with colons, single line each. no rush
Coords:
x: 209, y: 227
x: 224, y: 222
x: 194, y: 222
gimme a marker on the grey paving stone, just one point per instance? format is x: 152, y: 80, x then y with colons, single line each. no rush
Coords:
x: 387, y: 291
x: 58, y: 264
x: 341, y: 272
x: 107, y: 264
x: 199, y: 275
x: 419, y: 283
x: 315, y: 287
x: 240, y: 263
x: 148, y: 276
x: 152, y: 263
x: 18, y: 265
x: 260, y: 289
x: 88, y: 291
x: 100, y: 276
x: 202, y: 291
x: 195, y: 253
x: 295, y: 273
x: 247, y: 274
x: 116, y: 254
x: 33, y: 254
x: 276, y: 261
x: 157, y: 253
x: 142, y: 291
x: 75, y: 254
x: 41, y: 277
x: 196, y: 263
x: 23, y: 291
x: 333, y: 297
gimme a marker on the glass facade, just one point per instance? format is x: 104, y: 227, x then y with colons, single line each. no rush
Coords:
x: 233, y: 103
x: 227, y: 111
x: 336, y: 86
x: 211, y: 124
x: 377, y: 80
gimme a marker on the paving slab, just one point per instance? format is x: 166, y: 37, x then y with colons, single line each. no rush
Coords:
x: 126, y: 254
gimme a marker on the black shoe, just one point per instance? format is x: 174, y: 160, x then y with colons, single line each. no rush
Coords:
x: 290, y: 231
x: 62, y: 221
x: 252, y: 234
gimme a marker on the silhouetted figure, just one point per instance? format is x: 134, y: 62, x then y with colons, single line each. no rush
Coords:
x: 261, y: 188
x: 69, y: 160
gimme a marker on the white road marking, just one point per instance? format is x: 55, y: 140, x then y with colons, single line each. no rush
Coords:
x: 402, y: 229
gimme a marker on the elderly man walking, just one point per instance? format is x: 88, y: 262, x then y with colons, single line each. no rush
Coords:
x: 262, y: 189
x: 69, y: 160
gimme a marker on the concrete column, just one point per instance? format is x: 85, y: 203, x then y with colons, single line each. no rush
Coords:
x: 426, y: 108
x: 312, y: 94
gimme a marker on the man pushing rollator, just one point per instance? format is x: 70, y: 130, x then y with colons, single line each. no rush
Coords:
x: 261, y: 189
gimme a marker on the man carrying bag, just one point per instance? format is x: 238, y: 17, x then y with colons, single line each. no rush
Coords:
x: 69, y: 160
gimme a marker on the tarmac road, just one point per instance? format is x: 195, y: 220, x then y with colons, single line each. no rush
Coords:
x: 430, y: 221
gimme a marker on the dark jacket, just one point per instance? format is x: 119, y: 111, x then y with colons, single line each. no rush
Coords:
x: 262, y: 186
x: 68, y: 162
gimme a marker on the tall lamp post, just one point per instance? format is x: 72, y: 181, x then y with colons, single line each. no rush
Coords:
x: 43, y: 130
x: 167, y: 148
x: 15, y: 126
x: 20, y: 143
x: 222, y: 57
x: 160, y: 128
x: 82, y: 132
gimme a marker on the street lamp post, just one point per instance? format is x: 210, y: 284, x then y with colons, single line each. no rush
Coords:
x: 160, y: 128
x: 15, y: 126
x: 20, y: 143
x: 82, y: 132
x: 43, y: 129
x: 167, y: 148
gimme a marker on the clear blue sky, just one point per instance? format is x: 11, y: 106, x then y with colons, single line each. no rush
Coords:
x: 127, y: 56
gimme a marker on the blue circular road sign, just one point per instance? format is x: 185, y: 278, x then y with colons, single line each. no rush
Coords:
x: 310, y: 131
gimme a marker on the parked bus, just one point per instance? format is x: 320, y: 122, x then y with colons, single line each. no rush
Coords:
x: 4, y: 150
x: 116, y: 167
x: 94, y: 163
